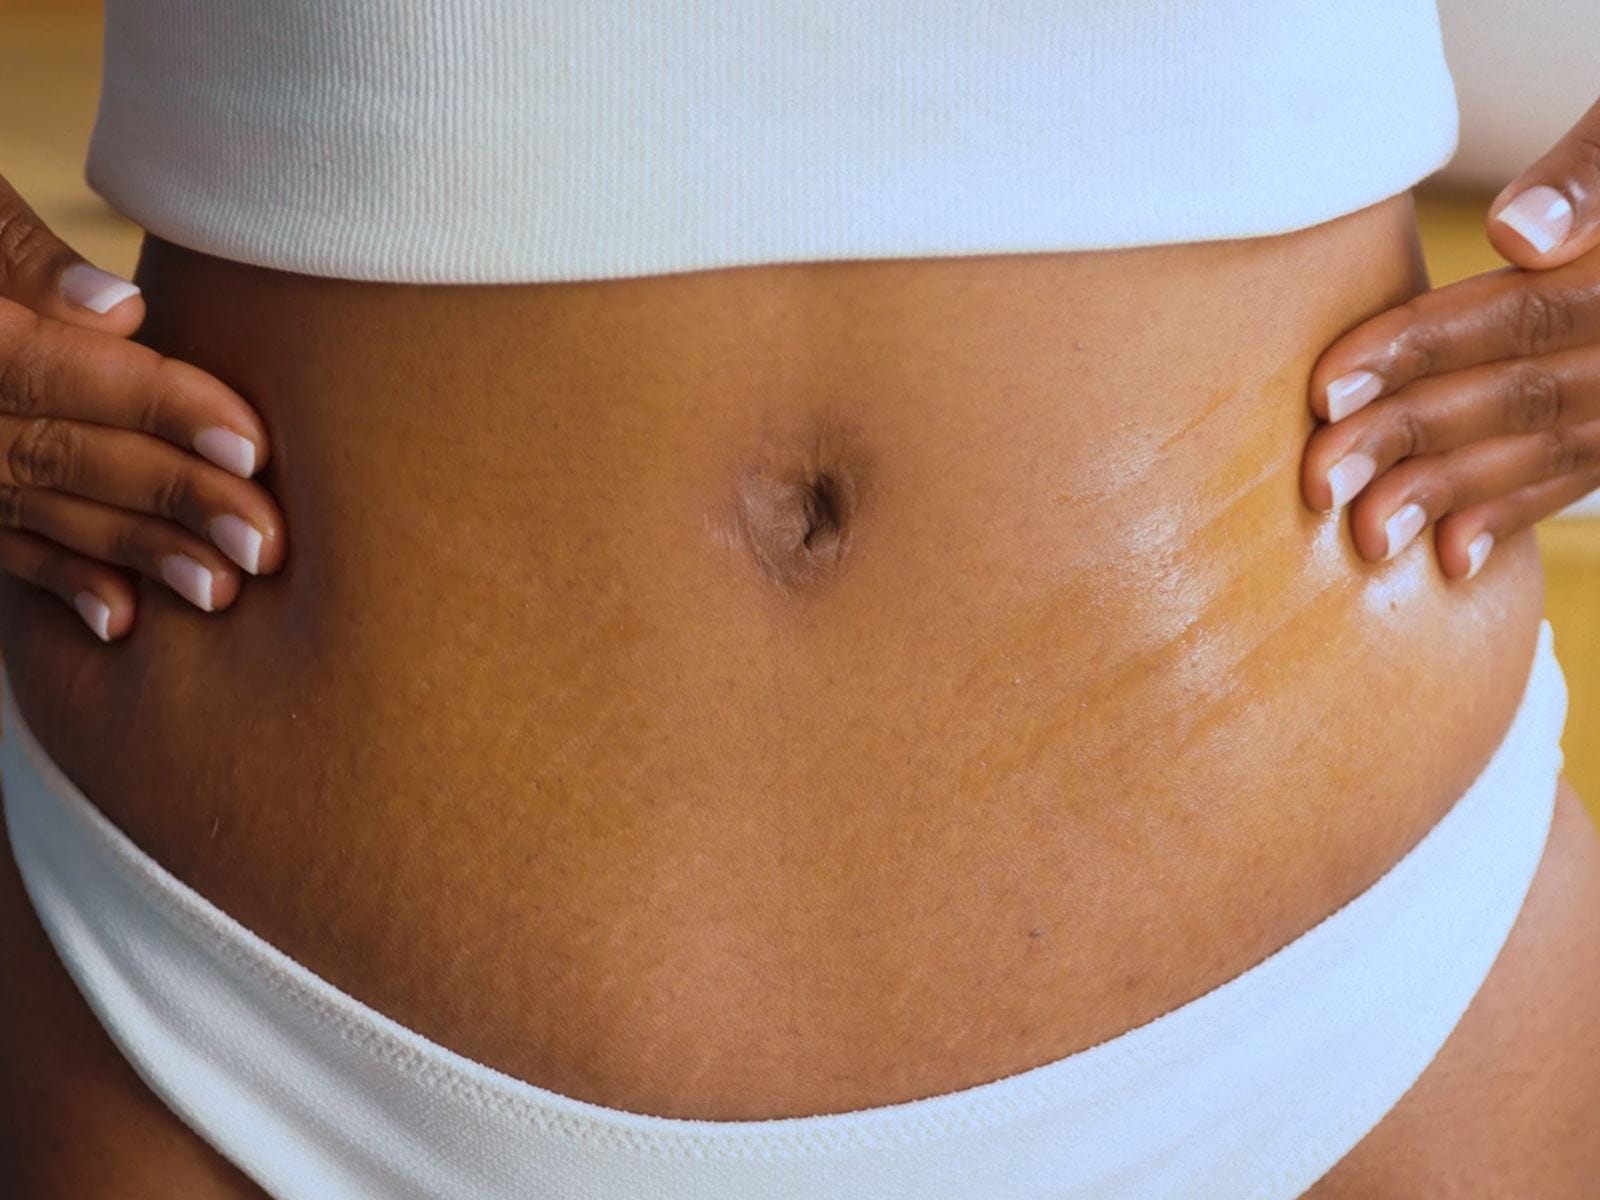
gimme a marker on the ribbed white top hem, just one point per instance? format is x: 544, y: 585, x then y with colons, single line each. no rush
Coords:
x: 475, y: 141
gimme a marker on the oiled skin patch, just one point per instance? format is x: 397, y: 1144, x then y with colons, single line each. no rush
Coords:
x: 780, y: 690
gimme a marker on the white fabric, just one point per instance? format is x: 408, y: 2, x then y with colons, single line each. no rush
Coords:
x: 1249, y: 1092
x: 480, y: 141
x: 1524, y: 73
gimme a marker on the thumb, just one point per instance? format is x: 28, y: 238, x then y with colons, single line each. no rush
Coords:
x: 40, y: 271
x: 1550, y: 214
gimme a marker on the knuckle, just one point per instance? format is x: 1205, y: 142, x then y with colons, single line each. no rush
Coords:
x: 175, y: 496
x: 53, y: 571
x: 12, y: 506
x: 1540, y: 321
x: 1566, y: 453
x: 25, y: 245
x: 1534, y: 400
x: 156, y: 399
x: 1587, y: 455
x: 24, y: 375
x: 44, y: 454
x: 1410, y: 432
x: 1436, y: 490
x: 1588, y: 452
x: 126, y: 545
x: 1416, y: 351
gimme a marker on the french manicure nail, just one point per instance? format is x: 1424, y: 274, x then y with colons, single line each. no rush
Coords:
x: 188, y: 578
x: 95, y: 612
x: 1350, y: 392
x: 1404, y: 525
x: 1348, y: 476
x: 227, y: 449
x: 1542, y: 215
x: 90, y: 287
x: 1478, y: 550
x: 238, y: 539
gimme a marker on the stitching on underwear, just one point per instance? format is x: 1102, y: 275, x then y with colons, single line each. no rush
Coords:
x: 1020, y: 1097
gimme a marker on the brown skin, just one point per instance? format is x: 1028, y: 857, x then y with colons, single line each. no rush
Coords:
x: 1504, y: 1112
x: 99, y: 476
x: 780, y: 690
x: 75, y: 1120
x: 1489, y: 413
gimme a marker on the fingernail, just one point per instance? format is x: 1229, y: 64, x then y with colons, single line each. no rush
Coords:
x: 227, y: 449
x: 1542, y: 215
x: 90, y: 287
x: 1478, y: 550
x: 1350, y: 392
x: 188, y: 578
x: 1348, y: 476
x: 95, y: 612
x: 238, y: 539
x: 1404, y: 525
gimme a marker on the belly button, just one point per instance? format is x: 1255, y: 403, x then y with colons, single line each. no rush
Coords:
x: 823, y: 518
x: 799, y: 499
x: 797, y: 529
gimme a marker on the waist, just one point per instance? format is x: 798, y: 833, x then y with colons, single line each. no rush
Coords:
x: 1362, y: 1003
x: 780, y: 609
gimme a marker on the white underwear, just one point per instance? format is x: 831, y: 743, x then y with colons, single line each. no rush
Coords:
x: 1252, y: 1091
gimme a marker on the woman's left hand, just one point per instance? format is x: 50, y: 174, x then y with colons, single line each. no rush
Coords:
x: 1475, y: 406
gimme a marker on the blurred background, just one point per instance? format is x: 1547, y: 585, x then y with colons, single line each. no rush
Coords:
x: 1524, y: 73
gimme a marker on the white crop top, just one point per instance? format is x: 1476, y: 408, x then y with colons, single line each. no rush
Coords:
x: 454, y: 141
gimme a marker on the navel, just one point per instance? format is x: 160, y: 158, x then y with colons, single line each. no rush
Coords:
x: 799, y: 503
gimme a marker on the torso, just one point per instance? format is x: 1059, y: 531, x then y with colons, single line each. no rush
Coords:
x: 787, y: 689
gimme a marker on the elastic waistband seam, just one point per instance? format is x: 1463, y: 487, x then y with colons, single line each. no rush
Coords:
x: 371, y: 1031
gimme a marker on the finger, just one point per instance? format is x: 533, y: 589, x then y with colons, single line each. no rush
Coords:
x: 1503, y: 314
x: 1440, y: 413
x: 1550, y: 213
x: 41, y: 272
x: 1393, y: 510
x: 47, y: 368
x: 99, y: 594
x: 157, y: 549
x: 143, y: 474
x: 1463, y: 540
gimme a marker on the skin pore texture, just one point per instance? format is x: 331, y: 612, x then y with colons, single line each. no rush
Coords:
x: 784, y: 689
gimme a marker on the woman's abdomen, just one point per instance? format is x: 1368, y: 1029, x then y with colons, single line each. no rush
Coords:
x: 793, y: 688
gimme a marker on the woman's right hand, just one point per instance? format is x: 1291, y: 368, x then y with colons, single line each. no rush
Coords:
x: 113, y: 456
